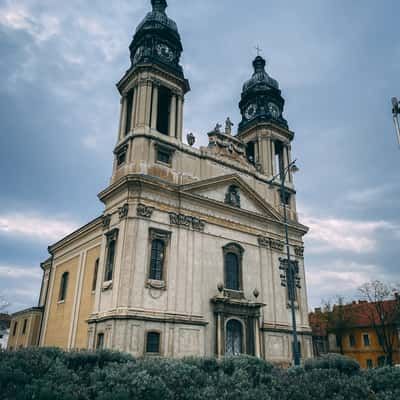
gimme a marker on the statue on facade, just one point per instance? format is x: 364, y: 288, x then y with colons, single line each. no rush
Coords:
x: 190, y: 139
x: 228, y: 126
x: 218, y: 128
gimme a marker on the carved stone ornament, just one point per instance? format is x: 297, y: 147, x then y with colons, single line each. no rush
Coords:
x: 283, y: 266
x: 299, y: 251
x: 232, y: 196
x: 106, y: 221
x: 269, y: 243
x: 187, y: 221
x: 123, y: 211
x: 144, y: 211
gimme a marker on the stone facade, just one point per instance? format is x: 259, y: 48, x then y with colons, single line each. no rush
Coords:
x: 201, y: 206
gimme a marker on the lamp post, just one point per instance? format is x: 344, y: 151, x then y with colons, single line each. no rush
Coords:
x: 396, y: 112
x: 290, y: 272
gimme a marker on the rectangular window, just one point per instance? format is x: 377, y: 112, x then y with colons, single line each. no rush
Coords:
x: 338, y: 341
x: 100, y: 341
x: 279, y: 164
x: 164, y: 156
x: 15, y: 328
x: 352, y: 340
x: 121, y: 158
x: 381, y: 340
x: 129, y: 111
x: 24, y: 326
x: 63, y: 287
x: 366, y: 340
x: 110, y: 261
x: 250, y: 152
x: 370, y: 364
x: 285, y: 197
x: 381, y: 361
x: 163, y: 110
x: 95, y: 273
x: 153, y: 343
x: 157, y: 259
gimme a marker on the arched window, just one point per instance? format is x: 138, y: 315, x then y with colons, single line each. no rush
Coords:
x: 234, y: 338
x: 232, y: 271
x: 157, y: 259
x: 95, y: 273
x: 153, y: 343
x: 63, y: 286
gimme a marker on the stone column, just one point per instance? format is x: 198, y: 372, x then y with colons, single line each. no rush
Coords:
x: 219, y: 336
x: 154, y: 108
x: 285, y: 158
x: 289, y: 158
x: 133, y: 116
x: 172, y: 117
x: 273, y: 150
x: 141, y: 108
x: 179, y: 118
x: 257, y: 338
x: 122, y: 123
x: 149, y: 89
x: 136, y: 107
x: 266, y: 158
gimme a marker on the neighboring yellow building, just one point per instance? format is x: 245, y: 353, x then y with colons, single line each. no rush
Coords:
x: 360, y: 340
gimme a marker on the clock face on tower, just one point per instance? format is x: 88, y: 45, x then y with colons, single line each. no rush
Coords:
x: 274, y: 110
x: 165, y: 52
x: 250, y: 111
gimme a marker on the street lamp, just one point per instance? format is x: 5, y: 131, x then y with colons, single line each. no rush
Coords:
x: 396, y: 112
x: 280, y: 179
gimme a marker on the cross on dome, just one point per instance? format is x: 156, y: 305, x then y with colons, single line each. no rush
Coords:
x: 159, y: 5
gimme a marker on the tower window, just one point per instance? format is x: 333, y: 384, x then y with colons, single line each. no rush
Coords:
x: 163, y: 110
x: 279, y: 158
x: 63, y: 286
x: 250, y: 152
x: 153, y: 343
x: 110, y: 260
x: 95, y: 273
x: 164, y: 153
x: 129, y: 111
x: 121, y: 155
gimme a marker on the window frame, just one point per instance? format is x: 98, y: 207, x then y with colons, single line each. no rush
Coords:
x: 100, y: 343
x: 112, y: 238
x: 15, y: 328
x: 352, y: 340
x: 24, y: 326
x: 166, y: 149
x: 366, y: 343
x: 165, y: 237
x: 146, y: 344
x: 95, y: 274
x: 236, y: 249
x: 62, y: 294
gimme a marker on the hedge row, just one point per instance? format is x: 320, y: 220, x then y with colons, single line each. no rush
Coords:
x: 44, y: 374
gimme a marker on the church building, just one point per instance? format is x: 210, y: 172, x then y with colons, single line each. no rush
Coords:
x: 188, y: 256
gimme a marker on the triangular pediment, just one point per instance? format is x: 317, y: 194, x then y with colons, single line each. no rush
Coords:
x: 216, y: 189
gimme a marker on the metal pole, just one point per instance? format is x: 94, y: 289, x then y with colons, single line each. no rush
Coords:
x: 290, y: 277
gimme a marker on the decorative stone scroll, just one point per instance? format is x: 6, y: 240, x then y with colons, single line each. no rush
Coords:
x: 299, y: 251
x: 123, y: 211
x: 187, y: 221
x: 269, y: 243
x: 144, y: 211
x: 106, y: 221
x: 283, y: 266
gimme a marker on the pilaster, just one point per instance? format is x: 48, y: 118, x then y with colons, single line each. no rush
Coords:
x: 154, y: 107
x: 179, y: 118
x: 172, y: 117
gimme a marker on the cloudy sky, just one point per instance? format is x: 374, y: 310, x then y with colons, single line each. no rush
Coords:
x: 338, y: 64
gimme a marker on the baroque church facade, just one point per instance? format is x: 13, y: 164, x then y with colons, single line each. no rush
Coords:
x: 186, y: 259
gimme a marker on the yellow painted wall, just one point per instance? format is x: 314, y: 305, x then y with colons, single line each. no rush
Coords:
x: 362, y: 353
x: 87, y: 299
x: 30, y: 337
x: 60, y: 314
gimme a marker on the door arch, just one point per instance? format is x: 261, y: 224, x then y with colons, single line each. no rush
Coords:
x: 234, y: 338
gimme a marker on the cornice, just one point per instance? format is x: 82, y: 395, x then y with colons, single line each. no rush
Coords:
x: 255, y: 125
x: 90, y: 227
x: 35, y: 310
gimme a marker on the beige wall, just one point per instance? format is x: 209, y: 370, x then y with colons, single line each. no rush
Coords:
x: 60, y: 313
x: 86, y: 299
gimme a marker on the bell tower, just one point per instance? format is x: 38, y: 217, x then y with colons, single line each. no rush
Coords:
x: 153, y: 89
x: 263, y: 127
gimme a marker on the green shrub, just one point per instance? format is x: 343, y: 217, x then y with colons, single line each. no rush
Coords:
x: 44, y: 374
x: 337, y: 362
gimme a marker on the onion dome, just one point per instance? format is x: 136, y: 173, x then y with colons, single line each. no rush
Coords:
x: 157, y: 40
x: 261, y: 99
